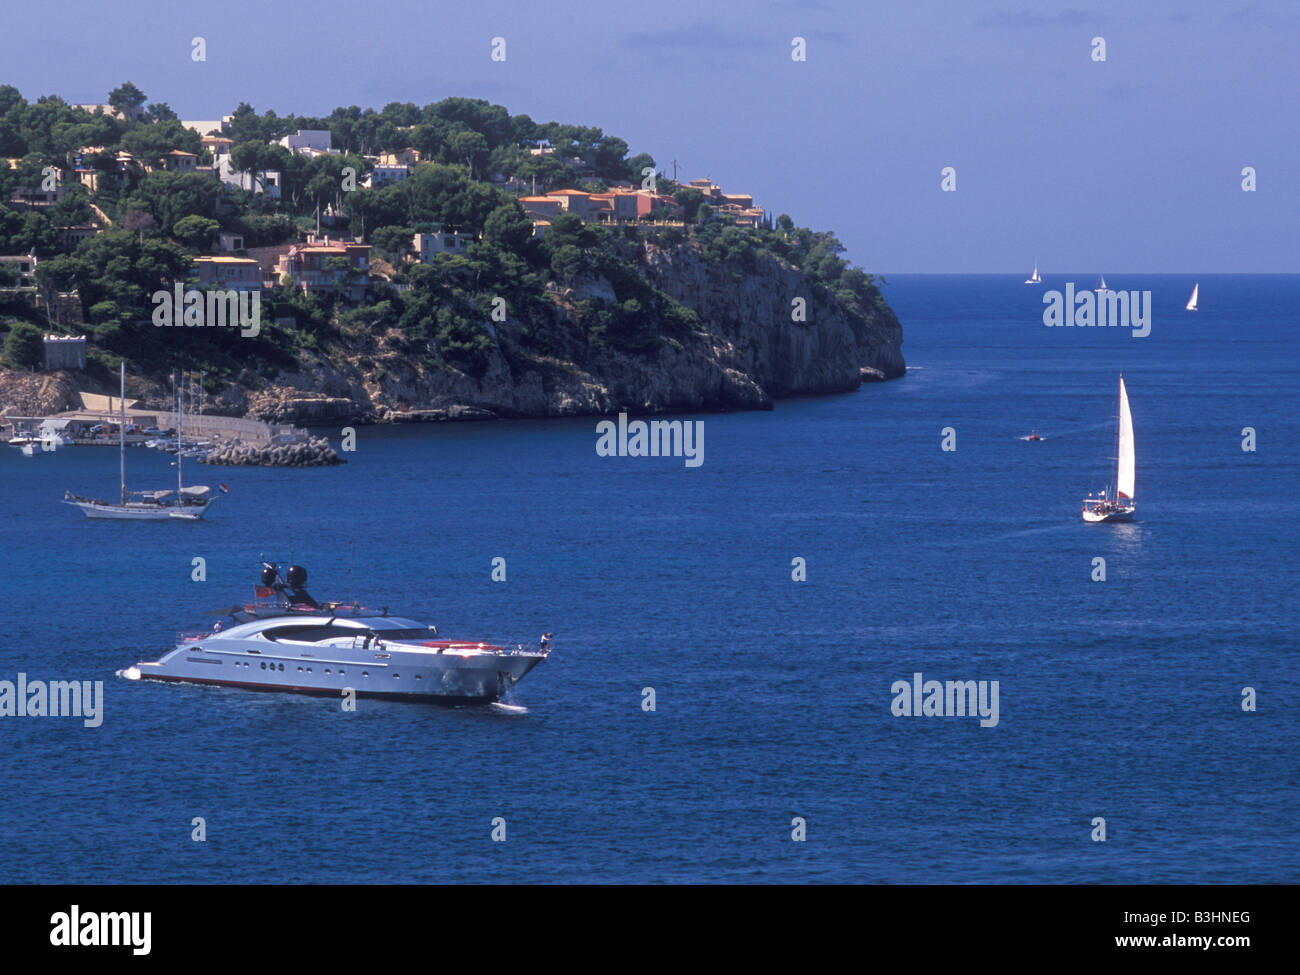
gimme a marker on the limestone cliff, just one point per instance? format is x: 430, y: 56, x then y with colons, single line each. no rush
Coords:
x: 746, y: 351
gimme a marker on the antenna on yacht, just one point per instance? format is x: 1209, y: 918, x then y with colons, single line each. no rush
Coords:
x: 351, y: 590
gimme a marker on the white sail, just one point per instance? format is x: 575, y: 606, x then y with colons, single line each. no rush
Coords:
x: 1191, y: 302
x: 1034, y: 278
x: 1101, y: 285
x: 1125, y: 472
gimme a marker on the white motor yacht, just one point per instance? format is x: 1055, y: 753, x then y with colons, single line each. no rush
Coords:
x: 286, y: 641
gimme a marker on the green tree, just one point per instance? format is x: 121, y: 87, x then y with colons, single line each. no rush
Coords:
x: 637, y: 165
x: 24, y: 346
x: 394, y: 243
x: 195, y: 232
x: 509, y: 228
x: 690, y: 200
x: 127, y: 98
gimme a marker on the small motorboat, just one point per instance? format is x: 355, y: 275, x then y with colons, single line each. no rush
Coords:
x: 1033, y: 435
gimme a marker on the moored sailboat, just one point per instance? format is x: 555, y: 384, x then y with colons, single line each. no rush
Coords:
x: 188, y: 503
x: 1120, y: 506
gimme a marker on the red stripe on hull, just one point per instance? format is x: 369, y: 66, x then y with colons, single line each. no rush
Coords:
x: 321, y: 691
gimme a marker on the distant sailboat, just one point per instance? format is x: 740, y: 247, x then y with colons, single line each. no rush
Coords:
x: 1101, y: 285
x: 1034, y: 278
x: 1191, y: 302
x: 1121, y: 506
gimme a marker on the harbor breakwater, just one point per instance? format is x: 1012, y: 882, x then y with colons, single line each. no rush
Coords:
x: 315, y: 452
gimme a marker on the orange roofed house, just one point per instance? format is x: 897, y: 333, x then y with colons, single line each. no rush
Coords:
x: 311, y: 267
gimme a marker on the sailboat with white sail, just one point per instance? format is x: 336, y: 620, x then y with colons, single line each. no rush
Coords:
x: 188, y: 503
x: 1034, y: 278
x: 1196, y: 292
x: 1101, y: 285
x: 1120, y: 505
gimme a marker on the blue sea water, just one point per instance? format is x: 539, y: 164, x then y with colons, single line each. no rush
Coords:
x: 1118, y: 699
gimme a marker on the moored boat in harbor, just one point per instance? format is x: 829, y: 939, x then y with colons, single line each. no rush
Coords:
x: 186, y: 504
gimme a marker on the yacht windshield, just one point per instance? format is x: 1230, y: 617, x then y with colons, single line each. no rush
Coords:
x: 410, y: 633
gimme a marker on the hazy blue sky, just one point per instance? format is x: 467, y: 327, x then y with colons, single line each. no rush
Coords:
x: 1129, y: 165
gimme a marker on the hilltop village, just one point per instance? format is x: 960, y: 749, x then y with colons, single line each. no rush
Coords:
x: 409, y: 263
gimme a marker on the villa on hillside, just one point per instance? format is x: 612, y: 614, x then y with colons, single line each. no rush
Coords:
x: 427, y: 246
x: 207, y: 127
x: 315, y: 267
x: 228, y: 273
x: 310, y: 142
x: 381, y: 175
x: 617, y: 206
x: 177, y: 161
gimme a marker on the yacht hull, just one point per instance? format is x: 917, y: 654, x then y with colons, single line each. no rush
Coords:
x: 394, y: 674
x: 131, y: 512
x: 1098, y: 517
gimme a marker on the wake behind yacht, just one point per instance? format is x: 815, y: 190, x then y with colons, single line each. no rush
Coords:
x: 286, y: 641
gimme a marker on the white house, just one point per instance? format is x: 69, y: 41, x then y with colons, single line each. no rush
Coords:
x: 385, y: 174
x: 208, y: 126
x: 428, y: 245
x: 317, y: 139
x: 269, y: 182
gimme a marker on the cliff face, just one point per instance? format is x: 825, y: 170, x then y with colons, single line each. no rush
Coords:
x: 750, y: 350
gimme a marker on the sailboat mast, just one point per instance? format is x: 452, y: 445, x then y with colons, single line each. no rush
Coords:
x: 180, y: 414
x: 121, y: 427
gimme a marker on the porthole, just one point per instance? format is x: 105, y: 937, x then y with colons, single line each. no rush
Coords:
x: 282, y: 666
x: 264, y: 665
x: 365, y: 673
x: 418, y: 677
x: 397, y: 677
x: 300, y: 670
x: 327, y: 670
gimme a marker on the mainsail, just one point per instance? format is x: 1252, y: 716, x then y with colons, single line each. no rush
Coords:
x: 1191, y: 302
x: 1125, y: 471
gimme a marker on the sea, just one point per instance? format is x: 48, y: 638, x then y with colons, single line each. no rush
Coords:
x: 720, y: 703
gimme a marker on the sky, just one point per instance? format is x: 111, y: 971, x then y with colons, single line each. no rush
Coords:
x: 1133, y: 164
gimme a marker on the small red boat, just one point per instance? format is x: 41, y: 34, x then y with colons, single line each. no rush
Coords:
x: 1033, y: 436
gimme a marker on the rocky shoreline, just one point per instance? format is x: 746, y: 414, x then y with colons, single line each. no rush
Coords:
x: 748, y: 352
